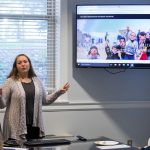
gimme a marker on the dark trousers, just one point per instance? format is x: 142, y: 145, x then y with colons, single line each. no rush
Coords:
x: 32, y: 132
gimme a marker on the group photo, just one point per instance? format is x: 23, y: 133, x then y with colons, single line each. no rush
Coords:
x: 124, y: 39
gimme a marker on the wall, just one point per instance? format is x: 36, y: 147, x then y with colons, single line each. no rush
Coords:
x: 97, y: 85
x: 99, y: 103
x: 122, y: 99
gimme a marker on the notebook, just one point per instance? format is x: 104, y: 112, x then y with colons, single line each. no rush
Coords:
x: 46, y: 142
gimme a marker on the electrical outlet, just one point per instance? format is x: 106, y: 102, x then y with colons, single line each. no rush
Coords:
x: 129, y: 142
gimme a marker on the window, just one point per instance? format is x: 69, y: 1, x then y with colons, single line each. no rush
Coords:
x: 30, y: 27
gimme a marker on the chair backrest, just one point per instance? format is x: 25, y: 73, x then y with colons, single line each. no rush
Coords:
x: 1, y: 138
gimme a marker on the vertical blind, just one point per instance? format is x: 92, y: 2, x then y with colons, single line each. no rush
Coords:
x: 30, y: 27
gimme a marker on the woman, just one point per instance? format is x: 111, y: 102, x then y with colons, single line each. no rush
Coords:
x: 23, y: 95
x: 131, y: 47
x: 93, y: 53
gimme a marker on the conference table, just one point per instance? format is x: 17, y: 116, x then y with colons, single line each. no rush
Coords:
x: 90, y: 144
x: 84, y: 146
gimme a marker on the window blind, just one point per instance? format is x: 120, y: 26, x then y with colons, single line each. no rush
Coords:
x: 30, y: 27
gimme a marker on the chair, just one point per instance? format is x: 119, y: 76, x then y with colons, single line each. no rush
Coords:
x: 1, y: 138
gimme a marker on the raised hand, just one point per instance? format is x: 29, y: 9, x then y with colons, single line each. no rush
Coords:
x: 65, y: 88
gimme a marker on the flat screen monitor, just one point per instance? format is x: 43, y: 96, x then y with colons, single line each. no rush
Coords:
x: 112, y: 36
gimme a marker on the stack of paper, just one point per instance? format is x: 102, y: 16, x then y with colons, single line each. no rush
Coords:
x: 114, y: 146
x: 14, y: 148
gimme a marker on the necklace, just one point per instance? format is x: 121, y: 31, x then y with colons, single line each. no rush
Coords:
x: 25, y: 80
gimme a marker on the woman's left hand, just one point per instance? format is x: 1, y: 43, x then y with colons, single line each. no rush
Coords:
x: 64, y: 88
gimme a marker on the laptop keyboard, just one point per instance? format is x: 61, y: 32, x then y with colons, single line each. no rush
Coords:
x: 46, y: 142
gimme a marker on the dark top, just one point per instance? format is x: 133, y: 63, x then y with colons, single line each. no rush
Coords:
x: 113, y: 56
x: 30, y: 93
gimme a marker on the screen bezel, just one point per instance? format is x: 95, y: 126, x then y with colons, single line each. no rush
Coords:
x: 117, y: 63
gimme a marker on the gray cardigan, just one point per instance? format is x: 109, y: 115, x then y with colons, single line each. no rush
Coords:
x: 13, y: 98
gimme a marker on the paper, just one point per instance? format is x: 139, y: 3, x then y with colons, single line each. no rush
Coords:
x: 106, y: 143
x: 14, y: 148
x: 114, y: 146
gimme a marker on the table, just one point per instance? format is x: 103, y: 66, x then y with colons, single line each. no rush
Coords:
x: 80, y: 145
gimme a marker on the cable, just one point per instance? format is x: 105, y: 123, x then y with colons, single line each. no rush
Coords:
x: 111, y: 72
